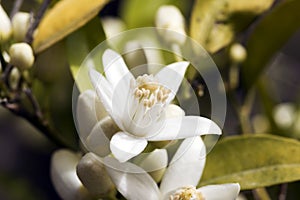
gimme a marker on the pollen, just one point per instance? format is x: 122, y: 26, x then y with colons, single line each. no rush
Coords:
x: 150, y: 92
x: 186, y: 193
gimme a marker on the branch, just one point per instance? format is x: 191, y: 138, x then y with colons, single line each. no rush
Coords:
x: 16, y: 8
x: 36, y: 21
x: 41, y: 124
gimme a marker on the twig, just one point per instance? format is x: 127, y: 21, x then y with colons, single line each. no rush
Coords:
x: 5, y: 75
x: 36, y: 21
x: 34, y: 103
x: 41, y: 124
x: 283, y: 191
x: 261, y: 194
x: 16, y: 8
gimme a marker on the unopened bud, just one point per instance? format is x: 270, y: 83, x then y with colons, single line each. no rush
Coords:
x: 170, y: 18
x: 94, y: 177
x: 99, y: 139
x: 284, y: 114
x: 64, y: 177
x: 135, y: 56
x: 238, y: 53
x: 155, y: 164
x: 20, y: 24
x: 5, y: 26
x: 21, y: 56
x: 14, y: 78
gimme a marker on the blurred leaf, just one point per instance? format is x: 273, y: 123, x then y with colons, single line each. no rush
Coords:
x: 203, y: 18
x: 253, y: 161
x: 79, y: 45
x: 65, y: 17
x: 137, y: 13
x: 268, y: 37
x: 214, y: 23
x: 52, y: 87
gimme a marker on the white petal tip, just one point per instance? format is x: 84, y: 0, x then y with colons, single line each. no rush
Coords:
x: 125, y: 147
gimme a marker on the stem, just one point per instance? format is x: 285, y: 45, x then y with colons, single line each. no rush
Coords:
x: 245, y: 112
x: 36, y: 21
x: 13, y: 102
x: 16, y: 8
x: 177, y: 52
x: 261, y: 194
x: 5, y: 75
x: 283, y: 191
x: 41, y: 124
x: 233, y: 76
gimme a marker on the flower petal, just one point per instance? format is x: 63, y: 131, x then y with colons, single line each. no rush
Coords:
x: 186, y: 166
x: 171, y: 77
x: 173, y: 110
x: 224, y: 191
x: 64, y: 177
x: 104, y: 91
x: 184, y: 127
x: 124, y: 146
x: 99, y: 139
x: 131, y: 181
x: 115, y: 68
x: 89, y: 110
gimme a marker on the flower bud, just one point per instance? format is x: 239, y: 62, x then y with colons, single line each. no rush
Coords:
x: 14, y: 78
x: 64, y: 177
x: 169, y: 17
x: 284, y: 114
x: 238, y: 53
x: 20, y: 24
x: 112, y: 26
x: 156, y: 163
x: 93, y: 175
x: 135, y: 56
x: 21, y: 56
x: 99, y: 139
x: 5, y: 26
x: 260, y: 123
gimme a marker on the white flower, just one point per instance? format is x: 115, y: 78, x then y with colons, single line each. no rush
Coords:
x: 178, y: 182
x: 138, y: 106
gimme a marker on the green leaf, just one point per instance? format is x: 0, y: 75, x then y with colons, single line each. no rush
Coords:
x: 64, y: 18
x: 268, y: 37
x: 52, y: 87
x: 203, y: 18
x: 214, y: 23
x: 79, y: 45
x: 137, y: 13
x: 253, y: 161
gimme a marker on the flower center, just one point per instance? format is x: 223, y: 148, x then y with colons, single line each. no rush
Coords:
x: 150, y: 92
x: 186, y: 193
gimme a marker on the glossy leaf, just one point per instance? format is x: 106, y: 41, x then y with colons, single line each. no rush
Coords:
x: 65, y: 17
x: 214, y: 23
x: 137, y: 13
x: 269, y: 36
x: 253, y: 161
